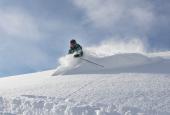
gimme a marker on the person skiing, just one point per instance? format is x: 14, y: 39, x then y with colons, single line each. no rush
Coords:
x: 75, y: 49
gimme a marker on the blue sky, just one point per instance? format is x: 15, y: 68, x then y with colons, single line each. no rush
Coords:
x: 35, y: 33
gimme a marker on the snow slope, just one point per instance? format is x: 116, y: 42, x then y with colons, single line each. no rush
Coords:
x: 129, y: 84
x: 119, y: 63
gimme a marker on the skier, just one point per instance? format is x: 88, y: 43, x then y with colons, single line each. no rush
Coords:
x: 75, y: 49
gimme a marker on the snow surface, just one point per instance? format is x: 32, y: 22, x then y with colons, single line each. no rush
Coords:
x: 129, y: 84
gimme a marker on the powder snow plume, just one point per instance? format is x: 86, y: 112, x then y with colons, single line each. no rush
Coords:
x: 115, y: 46
x: 66, y: 63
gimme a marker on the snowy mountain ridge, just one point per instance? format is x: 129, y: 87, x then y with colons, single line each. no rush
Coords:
x: 129, y: 84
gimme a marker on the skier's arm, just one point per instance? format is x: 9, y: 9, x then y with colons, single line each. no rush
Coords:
x: 79, y: 52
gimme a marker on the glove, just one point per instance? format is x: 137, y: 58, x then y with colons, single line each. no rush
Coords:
x: 77, y: 55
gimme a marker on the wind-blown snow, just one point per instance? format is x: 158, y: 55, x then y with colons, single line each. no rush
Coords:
x: 116, y: 45
x: 118, y: 63
x: 129, y: 84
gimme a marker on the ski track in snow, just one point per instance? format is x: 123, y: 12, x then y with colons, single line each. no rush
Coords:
x: 78, y: 90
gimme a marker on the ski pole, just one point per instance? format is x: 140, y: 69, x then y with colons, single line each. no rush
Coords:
x: 91, y: 62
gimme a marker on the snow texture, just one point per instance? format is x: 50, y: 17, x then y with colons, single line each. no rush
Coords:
x: 129, y: 84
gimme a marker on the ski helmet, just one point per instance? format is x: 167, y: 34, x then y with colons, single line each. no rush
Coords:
x: 72, y: 41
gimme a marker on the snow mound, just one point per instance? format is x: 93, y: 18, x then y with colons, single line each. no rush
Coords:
x: 118, y: 63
